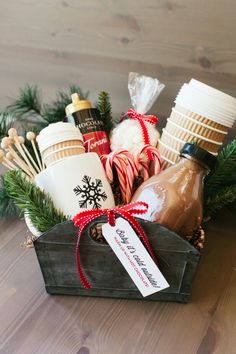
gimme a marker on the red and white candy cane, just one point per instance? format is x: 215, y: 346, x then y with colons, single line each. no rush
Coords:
x: 156, y: 162
x: 142, y: 166
x: 124, y: 163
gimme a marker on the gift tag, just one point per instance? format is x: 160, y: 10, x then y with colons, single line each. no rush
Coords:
x: 134, y: 257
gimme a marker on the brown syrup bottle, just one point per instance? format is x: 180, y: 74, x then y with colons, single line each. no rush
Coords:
x: 175, y: 196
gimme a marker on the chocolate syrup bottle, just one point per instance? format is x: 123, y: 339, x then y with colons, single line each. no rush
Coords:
x: 88, y: 121
x: 175, y: 196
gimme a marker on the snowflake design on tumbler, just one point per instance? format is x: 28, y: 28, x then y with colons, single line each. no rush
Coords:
x: 90, y: 192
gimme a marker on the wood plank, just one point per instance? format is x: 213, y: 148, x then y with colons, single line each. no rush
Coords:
x: 151, y: 32
x: 55, y: 72
x: 54, y: 43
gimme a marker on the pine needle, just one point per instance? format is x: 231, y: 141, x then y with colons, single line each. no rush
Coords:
x: 77, y: 89
x: 8, y: 208
x: 29, y: 198
x: 27, y: 103
x: 7, y: 121
x: 55, y: 111
x: 225, y: 172
x: 225, y: 196
x: 104, y: 107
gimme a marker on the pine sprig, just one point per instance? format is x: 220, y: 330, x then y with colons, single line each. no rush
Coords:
x: 30, y: 199
x: 77, y: 89
x: 7, y: 121
x: 8, y: 209
x: 55, y: 111
x: 215, y: 202
x: 28, y: 102
x: 104, y: 107
x: 225, y: 172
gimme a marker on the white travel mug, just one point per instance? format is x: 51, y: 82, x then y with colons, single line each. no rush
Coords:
x: 77, y: 183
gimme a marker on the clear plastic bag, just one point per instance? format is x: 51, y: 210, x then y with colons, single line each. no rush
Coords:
x: 128, y: 134
x: 143, y: 90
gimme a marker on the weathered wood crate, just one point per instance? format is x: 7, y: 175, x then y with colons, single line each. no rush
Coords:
x: 55, y: 250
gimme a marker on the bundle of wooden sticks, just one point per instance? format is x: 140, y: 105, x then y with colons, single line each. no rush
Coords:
x: 15, y: 154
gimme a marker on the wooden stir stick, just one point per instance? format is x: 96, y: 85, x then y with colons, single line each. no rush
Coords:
x: 10, y: 158
x: 6, y: 145
x: 5, y: 162
x: 13, y: 134
x: 21, y: 141
x: 32, y: 137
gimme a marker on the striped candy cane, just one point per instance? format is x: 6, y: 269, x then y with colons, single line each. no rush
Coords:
x: 126, y: 169
x: 145, y: 168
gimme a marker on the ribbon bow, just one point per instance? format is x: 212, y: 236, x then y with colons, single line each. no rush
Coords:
x: 142, y: 118
x: 83, y: 218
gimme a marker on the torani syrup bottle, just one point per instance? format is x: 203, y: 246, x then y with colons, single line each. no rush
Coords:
x: 88, y: 120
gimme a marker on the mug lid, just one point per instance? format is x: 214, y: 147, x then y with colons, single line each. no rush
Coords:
x: 56, y: 133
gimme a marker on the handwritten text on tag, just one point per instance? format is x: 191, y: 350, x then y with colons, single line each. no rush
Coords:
x: 134, y: 257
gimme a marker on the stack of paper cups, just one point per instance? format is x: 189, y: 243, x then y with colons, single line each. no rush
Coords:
x: 58, y: 141
x: 201, y: 114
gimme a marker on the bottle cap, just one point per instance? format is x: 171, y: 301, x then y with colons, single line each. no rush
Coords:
x: 204, y: 157
x: 77, y: 104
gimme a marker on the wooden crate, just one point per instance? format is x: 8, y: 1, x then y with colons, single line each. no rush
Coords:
x: 55, y: 250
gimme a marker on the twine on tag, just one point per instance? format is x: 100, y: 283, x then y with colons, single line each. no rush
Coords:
x: 83, y: 218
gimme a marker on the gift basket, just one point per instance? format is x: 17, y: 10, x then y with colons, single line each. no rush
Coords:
x: 116, y: 210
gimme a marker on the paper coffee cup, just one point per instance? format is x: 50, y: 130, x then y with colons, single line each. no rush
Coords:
x: 205, y: 101
x: 204, y: 105
x: 202, y: 119
x: 219, y: 95
x: 62, y: 150
x: 177, y: 144
x: 77, y: 183
x: 197, y: 127
x: 188, y: 136
x: 167, y: 152
x: 220, y: 118
x: 171, y: 141
x: 58, y: 141
x: 166, y: 163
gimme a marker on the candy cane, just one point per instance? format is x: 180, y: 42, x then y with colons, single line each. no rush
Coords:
x: 143, y: 167
x: 126, y: 168
x: 143, y: 164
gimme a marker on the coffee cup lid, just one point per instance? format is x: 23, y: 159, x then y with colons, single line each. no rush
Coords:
x: 223, y: 97
x: 214, y: 116
x: 205, y: 101
x: 56, y: 133
x: 205, y: 105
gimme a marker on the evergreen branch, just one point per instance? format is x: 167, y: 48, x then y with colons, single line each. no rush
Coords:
x: 104, y: 107
x: 225, y: 196
x: 8, y: 209
x: 27, y: 103
x: 55, y: 112
x: 225, y: 172
x: 77, y: 89
x: 29, y: 198
x: 7, y: 121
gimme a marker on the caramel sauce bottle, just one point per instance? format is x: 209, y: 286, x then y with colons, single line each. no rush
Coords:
x: 175, y: 196
x: 88, y: 121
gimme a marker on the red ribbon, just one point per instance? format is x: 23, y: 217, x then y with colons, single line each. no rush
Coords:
x: 142, y: 118
x: 83, y: 218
